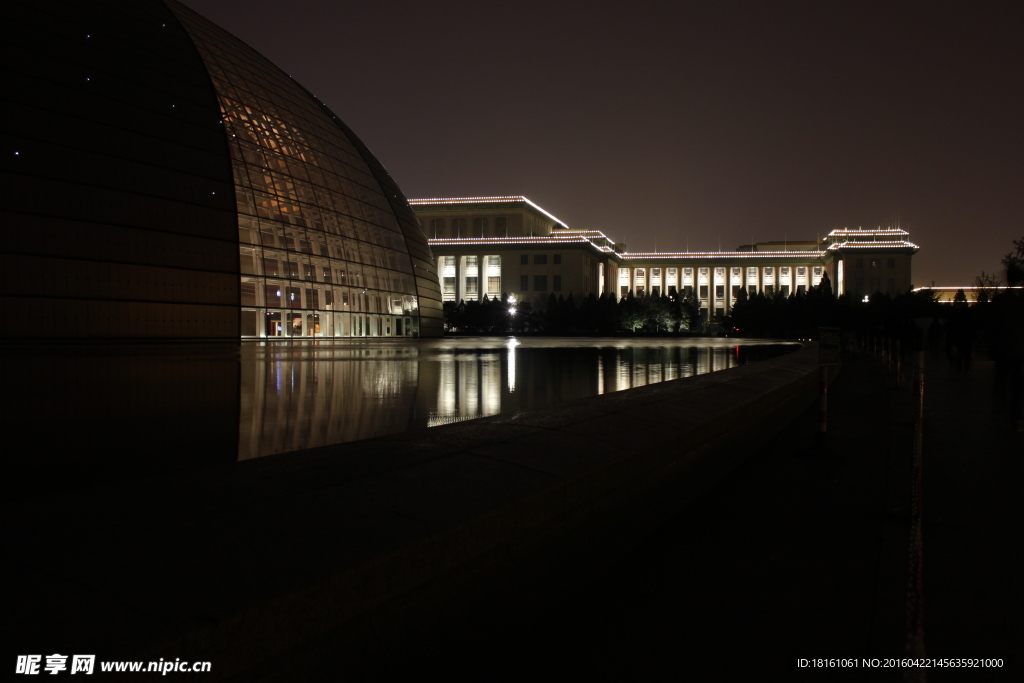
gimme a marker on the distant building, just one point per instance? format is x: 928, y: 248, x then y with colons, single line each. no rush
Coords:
x: 489, y: 246
x: 946, y: 295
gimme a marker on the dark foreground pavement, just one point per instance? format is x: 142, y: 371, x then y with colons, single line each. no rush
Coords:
x: 803, y: 553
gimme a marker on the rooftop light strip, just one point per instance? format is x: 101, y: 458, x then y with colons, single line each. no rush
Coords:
x: 873, y: 245
x: 507, y: 240
x: 468, y: 200
x: 729, y: 254
x: 878, y: 231
x: 483, y: 200
x: 966, y: 288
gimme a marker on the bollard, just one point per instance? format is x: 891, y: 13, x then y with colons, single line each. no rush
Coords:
x: 918, y: 403
x: 822, y: 402
x: 829, y: 353
x: 898, y: 363
x: 915, y: 591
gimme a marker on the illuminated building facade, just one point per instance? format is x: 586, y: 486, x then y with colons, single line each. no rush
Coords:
x: 164, y: 180
x: 947, y: 295
x: 489, y: 246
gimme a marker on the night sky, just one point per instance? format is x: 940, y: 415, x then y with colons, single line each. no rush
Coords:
x: 676, y: 125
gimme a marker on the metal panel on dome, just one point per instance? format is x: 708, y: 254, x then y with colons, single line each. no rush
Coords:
x: 118, y: 216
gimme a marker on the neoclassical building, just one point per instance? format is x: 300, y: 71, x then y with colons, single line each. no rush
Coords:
x: 163, y: 180
x: 487, y: 246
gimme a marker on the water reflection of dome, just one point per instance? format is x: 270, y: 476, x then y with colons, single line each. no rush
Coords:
x: 387, y: 380
x: 165, y: 180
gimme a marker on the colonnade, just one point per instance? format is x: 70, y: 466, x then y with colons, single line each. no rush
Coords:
x: 456, y: 273
x: 716, y: 285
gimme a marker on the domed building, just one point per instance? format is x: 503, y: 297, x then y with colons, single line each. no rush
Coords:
x: 162, y: 179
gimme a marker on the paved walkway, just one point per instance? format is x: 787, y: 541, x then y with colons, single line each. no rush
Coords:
x: 803, y: 553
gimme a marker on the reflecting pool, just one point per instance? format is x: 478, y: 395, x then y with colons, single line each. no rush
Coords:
x: 123, y: 411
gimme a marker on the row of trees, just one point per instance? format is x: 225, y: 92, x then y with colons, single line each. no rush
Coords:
x: 760, y: 315
x: 987, y: 285
x: 563, y: 316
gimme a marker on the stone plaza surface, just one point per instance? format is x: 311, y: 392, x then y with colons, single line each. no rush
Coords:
x: 803, y: 552
x: 337, y: 553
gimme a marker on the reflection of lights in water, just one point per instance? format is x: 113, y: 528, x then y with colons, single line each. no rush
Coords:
x: 639, y: 374
x: 703, y: 361
x: 446, y: 400
x: 469, y: 384
x: 383, y: 380
x: 306, y: 396
x: 625, y: 374
x: 511, y: 356
x: 490, y: 380
x: 437, y: 419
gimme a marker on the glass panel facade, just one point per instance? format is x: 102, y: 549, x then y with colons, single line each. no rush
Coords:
x: 318, y: 234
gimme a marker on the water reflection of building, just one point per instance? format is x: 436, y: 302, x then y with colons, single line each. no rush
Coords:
x: 168, y: 181
x: 470, y: 386
x: 296, y: 399
x: 489, y: 246
x: 139, y: 411
x: 479, y: 384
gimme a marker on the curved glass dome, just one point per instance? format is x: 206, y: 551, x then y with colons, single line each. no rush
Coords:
x: 168, y: 181
x: 323, y: 250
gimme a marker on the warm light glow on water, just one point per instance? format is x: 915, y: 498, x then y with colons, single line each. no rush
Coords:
x: 84, y: 413
x: 303, y: 396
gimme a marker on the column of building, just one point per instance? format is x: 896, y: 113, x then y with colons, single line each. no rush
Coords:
x: 482, y: 269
